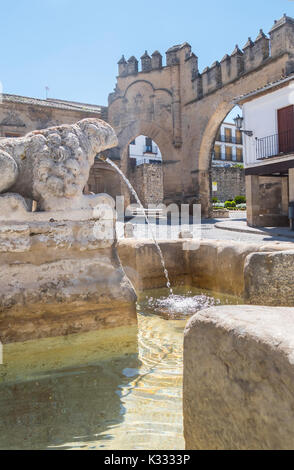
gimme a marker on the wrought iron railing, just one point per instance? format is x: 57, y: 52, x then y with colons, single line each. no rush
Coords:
x: 223, y: 157
x: 229, y: 139
x: 275, y: 145
x: 150, y: 149
x: 141, y: 161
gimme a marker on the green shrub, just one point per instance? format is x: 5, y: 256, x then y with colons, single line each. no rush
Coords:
x: 230, y: 204
x: 215, y: 200
x: 240, y: 199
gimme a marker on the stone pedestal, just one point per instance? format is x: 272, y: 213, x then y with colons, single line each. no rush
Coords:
x: 60, y: 274
x: 239, y: 379
x: 252, y: 198
x: 291, y: 184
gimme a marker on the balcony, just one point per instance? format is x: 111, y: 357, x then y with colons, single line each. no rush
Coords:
x: 275, y: 145
x: 226, y: 158
x: 142, y: 161
x: 229, y: 139
x: 150, y: 149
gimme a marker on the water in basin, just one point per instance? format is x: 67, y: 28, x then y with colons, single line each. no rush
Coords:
x: 111, y: 389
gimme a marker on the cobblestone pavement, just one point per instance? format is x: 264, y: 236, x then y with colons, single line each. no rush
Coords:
x: 207, y: 230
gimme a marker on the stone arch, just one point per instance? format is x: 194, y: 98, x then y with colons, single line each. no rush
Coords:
x: 159, y: 135
x: 148, y: 83
x: 206, y: 147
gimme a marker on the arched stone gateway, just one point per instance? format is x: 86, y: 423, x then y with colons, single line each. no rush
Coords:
x: 182, y: 109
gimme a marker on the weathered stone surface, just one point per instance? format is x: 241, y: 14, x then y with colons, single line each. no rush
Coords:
x: 141, y: 262
x: 185, y: 234
x: 220, y: 214
x: 129, y: 230
x: 12, y: 207
x: 269, y: 278
x: 182, y: 109
x: 52, y: 166
x: 58, y: 278
x: 239, y: 378
x: 147, y: 179
x: 230, y: 182
x: 8, y: 171
x: 209, y: 264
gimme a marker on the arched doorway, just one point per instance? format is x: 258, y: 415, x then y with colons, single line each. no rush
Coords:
x: 145, y: 170
x: 212, y: 156
x: 161, y: 139
x: 227, y: 162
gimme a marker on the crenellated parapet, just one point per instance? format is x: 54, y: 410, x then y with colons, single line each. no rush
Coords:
x: 181, y: 107
x: 253, y: 55
x: 174, y: 56
x: 282, y: 36
x: 241, y: 61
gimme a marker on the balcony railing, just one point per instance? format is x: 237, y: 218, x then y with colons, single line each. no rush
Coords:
x: 141, y: 161
x: 275, y: 145
x: 150, y: 149
x: 229, y: 139
x: 224, y: 158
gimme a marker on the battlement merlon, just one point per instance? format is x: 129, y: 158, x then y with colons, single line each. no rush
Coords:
x: 241, y: 61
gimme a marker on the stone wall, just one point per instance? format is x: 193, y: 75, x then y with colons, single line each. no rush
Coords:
x: 269, y: 278
x: 20, y: 115
x: 181, y: 108
x: 230, y: 182
x: 239, y: 379
x: 104, y: 179
x: 147, y: 180
x: 267, y: 200
x: 58, y: 276
x: 212, y: 264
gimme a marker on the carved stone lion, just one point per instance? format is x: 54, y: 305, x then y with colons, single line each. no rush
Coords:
x: 52, y: 166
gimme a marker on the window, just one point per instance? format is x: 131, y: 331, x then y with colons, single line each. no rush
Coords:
x: 229, y: 153
x: 239, y: 153
x: 148, y: 143
x: 133, y: 142
x: 239, y: 137
x: 228, y: 134
x: 217, y: 152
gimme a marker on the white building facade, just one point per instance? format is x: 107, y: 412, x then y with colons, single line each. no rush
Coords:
x: 228, y: 148
x: 269, y: 153
x: 144, y: 150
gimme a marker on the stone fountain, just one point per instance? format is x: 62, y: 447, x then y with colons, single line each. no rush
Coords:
x: 60, y: 272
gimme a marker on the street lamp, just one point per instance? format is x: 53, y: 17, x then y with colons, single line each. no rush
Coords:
x: 239, y: 123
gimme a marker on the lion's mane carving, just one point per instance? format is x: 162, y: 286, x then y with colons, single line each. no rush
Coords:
x: 52, y: 166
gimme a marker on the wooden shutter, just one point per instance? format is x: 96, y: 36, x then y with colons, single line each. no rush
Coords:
x: 286, y: 129
x: 239, y: 152
x: 228, y: 134
x: 229, y: 153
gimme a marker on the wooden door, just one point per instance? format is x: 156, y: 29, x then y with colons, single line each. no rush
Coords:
x: 286, y: 129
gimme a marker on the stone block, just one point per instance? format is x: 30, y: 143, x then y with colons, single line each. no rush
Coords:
x: 269, y: 278
x: 239, y: 379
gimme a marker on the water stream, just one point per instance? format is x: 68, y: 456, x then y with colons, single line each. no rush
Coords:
x: 129, y: 185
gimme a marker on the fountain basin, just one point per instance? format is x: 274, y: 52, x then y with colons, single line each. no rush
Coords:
x: 118, y: 388
x: 239, y: 379
x: 261, y: 274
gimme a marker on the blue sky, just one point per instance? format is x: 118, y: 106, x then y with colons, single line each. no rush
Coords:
x: 73, y: 46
